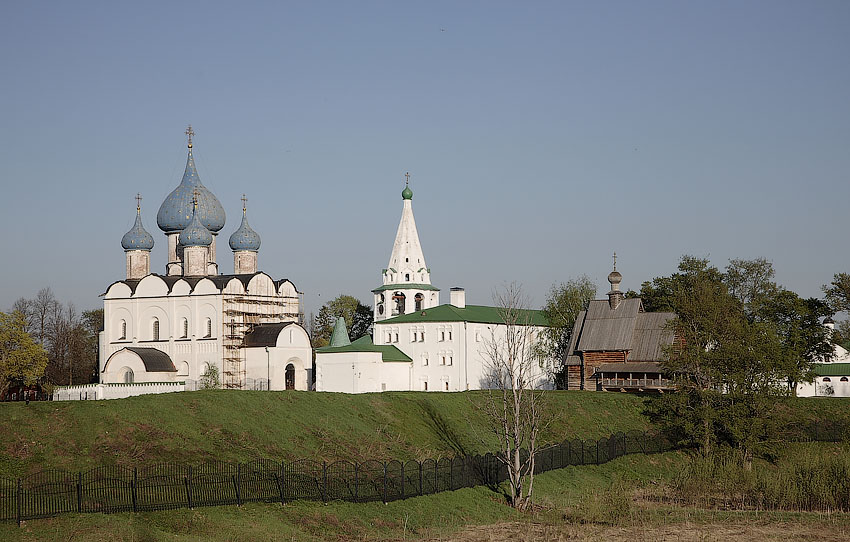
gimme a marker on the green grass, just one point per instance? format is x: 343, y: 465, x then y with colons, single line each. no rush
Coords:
x: 242, y: 425
x: 581, y: 503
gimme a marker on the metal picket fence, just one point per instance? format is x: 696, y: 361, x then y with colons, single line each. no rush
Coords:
x: 168, y: 485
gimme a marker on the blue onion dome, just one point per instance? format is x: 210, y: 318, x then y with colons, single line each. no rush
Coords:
x: 175, y: 213
x: 195, y: 234
x: 137, y: 238
x: 245, y: 238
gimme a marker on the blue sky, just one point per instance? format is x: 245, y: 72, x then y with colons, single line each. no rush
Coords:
x: 540, y: 137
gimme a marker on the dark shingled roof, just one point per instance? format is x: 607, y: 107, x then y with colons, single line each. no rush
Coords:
x: 156, y: 361
x: 265, y: 334
x: 364, y: 344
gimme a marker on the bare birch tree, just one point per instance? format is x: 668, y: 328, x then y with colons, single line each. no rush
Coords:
x: 515, y: 404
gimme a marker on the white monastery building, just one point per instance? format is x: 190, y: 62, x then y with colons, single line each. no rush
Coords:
x: 418, y: 344
x: 171, y: 332
x: 831, y: 376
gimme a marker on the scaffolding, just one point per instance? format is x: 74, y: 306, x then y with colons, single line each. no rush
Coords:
x: 241, y: 313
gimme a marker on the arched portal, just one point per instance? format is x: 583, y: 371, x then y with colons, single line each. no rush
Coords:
x: 418, y: 298
x: 290, y: 377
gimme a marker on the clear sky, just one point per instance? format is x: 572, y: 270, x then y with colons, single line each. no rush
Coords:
x: 540, y: 137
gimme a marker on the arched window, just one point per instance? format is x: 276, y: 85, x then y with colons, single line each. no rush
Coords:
x: 827, y: 379
x: 128, y: 375
x: 407, y: 277
x: 123, y: 330
x: 185, y: 330
x: 155, y: 330
x: 209, y: 328
x: 290, y: 377
x: 843, y: 379
x: 418, y: 298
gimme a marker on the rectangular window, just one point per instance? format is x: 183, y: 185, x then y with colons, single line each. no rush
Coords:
x: 443, y: 360
x: 422, y: 337
x: 425, y: 360
x: 450, y: 360
x: 450, y: 334
x: 424, y: 385
x: 383, y: 386
x: 396, y: 336
x: 389, y: 337
x: 413, y: 336
x: 447, y: 386
x: 477, y: 337
x: 442, y: 335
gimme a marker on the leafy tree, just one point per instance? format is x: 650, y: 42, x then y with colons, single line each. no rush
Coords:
x: 838, y: 292
x: 727, y: 365
x: 750, y: 280
x: 210, y: 379
x: 22, y: 361
x: 358, y: 319
x: 564, y: 302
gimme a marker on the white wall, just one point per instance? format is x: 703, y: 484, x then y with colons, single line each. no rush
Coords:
x: 113, y: 391
x: 820, y: 388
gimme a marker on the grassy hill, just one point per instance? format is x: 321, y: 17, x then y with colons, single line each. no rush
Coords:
x: 243, y: 425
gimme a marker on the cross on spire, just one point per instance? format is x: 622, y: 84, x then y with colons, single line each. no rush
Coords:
x: 189, y: 132
x: 407, y: 179
x: 244, y: 204
x: 615, y: 260
x: 138, y: 202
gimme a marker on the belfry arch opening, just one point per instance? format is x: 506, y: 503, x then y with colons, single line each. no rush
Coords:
x: 399, y: 299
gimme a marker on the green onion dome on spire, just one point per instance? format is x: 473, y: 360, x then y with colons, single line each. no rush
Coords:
x: 245, y: 238
x: 137, y: 238
x: 407, y: 193
x: 177, y: 209
x: 195, y: 234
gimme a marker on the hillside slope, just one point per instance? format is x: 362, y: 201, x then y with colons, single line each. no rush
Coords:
x: 243, y: 425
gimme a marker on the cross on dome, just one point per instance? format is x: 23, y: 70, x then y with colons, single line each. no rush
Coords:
x: 189, y: 132
x: 615, y: 260
x: 244, y: 204
x: 138, y: 202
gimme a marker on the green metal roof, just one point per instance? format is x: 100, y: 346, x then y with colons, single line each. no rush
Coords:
x: 388, y: 352
x: 340, y: 334
x: 472, y: 313
x: 406, y: 286
x: 831, y: 369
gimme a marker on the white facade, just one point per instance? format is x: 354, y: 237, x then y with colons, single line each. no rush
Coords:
x: 201, y: 323
x: 449, y: 355
x: 836, y: 383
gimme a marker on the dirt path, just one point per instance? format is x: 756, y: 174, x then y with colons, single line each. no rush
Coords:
x: 681, y: 532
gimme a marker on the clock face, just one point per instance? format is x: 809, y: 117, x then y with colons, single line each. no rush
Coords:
x: 380, y: 308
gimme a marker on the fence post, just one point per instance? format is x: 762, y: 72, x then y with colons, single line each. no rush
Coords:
x: 324, y: 481
x: 187, y: 480
x: 134, y: 487
x: 356, y: 482
x: 385, y: 483
x: 402, y: 479
x: 420, y: 477
x: 80, y: 491
x: 236, y: 480
x: 280, y: 483
x: 20, y: 495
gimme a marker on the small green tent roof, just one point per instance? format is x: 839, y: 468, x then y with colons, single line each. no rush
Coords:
x: 340, y: 334
x: 831, y: 369
x: 364, y: 344
x: 471, y: 313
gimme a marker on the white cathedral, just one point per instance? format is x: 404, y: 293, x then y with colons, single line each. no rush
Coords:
x: 169, y: 332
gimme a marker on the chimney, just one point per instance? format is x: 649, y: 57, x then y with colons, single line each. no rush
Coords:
x: 615, y: 296
x: 458, y: 297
